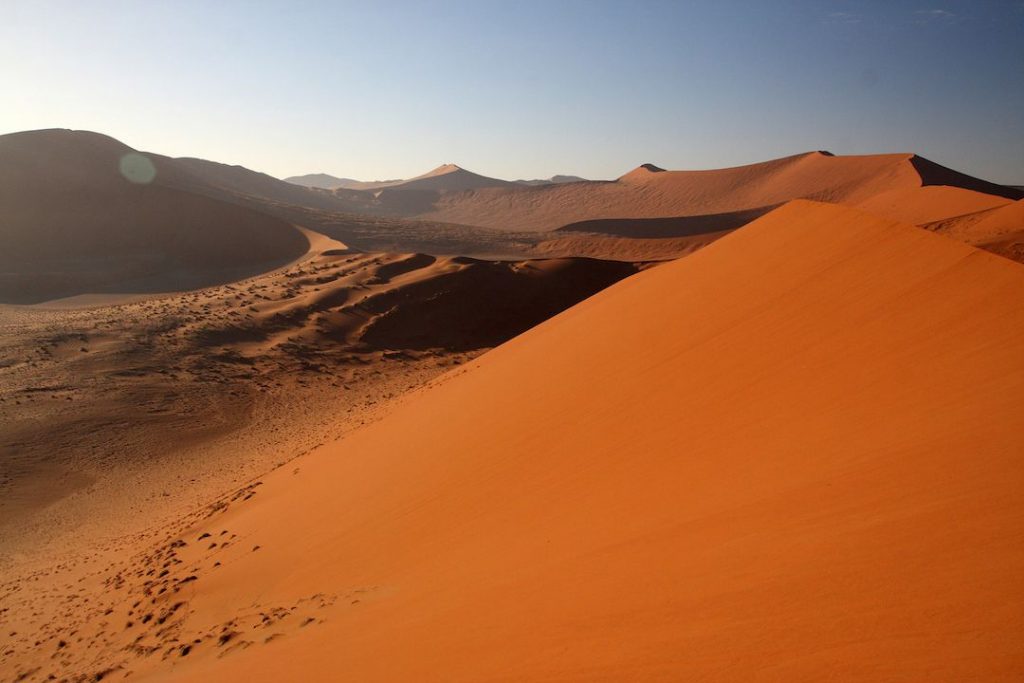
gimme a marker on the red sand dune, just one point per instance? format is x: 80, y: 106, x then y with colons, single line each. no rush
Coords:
x: 793, y: 455
x: 922, y: 205
x: 999, y: 230
x: 650, y: 192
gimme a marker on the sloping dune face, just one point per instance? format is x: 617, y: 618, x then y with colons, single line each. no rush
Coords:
x: 930, y: 203
x: 793, y: 455
x: 650, y: 192
x: 999, y: 230
x: 80, y: 213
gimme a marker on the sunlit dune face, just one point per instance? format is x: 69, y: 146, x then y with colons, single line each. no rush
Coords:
x: 137, y: 168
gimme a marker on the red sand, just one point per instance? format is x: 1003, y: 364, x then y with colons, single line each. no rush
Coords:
x: 793, y: 455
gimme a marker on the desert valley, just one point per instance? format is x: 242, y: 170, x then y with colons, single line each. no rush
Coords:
x: 751, y: 423
x: 166, y: 455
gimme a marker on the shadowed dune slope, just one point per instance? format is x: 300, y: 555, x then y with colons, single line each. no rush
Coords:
x: 240, y: 184
x: 72, y: 223
x: 679, y: 226
x: 793, y: 455
x: 650, y: 192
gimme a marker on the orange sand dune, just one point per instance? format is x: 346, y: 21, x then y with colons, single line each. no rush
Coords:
x: 650, y: 192
x: 1002, y: 221
x: 635, y: 490
x: 922, y: 205
x: 793, y: 455
x: 985, y: 225
x: 999, y: 230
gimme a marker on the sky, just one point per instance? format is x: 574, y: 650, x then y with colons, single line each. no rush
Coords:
x: 513, y: 90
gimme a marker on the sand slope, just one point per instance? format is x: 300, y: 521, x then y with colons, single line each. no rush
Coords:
x: 73, y: 223
x: 930, y: 203
x: 999, y: 230
x: 634, y: 490
x: 240, y: 184
x: 793, y: 455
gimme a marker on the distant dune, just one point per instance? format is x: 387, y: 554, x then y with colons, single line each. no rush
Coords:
x: 448, y: 178
x: 323, y: 181
x: 77, y: 225
x: 793, y: 455
x: 240, y: 184
x: 999, y: 230
x: 84, y: 213
x: 553, y: 180
x: 651, y: 192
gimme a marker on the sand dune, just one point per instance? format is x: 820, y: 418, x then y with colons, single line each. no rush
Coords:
x: 648, y: 214
x: 679, y: 226
x: 634, y: 490
x: 930, y: 203
x: 999, y: 230
x: 240, y: 184
x: 651, y: 192
x: 446, y: 177
x: 210, y: 384
x: 84, y: 213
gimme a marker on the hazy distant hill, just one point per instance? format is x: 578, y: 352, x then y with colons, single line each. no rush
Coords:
x: 553, y: 180
x: 85, y: 213
x: 324, y: 181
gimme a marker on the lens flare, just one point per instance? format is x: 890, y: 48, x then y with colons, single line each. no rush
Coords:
x: 137, y: 168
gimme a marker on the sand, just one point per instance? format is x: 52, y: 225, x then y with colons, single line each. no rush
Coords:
x: 792, y: 455
x: 74, y: 224
x: 213, y: 387
x: 650, y: 200
x: 930, y: 204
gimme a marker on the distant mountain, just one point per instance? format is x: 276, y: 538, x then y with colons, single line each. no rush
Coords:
x: 322, y: 181
x: 240, y: 183
x: 553, y: 180
x: 447, y: 177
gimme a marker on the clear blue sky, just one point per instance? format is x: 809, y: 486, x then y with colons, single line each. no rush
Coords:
x: 524, y: 89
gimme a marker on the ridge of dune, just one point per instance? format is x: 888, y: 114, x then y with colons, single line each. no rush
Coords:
x: 999, y: 230
x: 443, y: 169
x: 932, y: 173
x: 930, y: 203
x: 633, y: 490
x: 1005, y: 219
x: 641, y: 172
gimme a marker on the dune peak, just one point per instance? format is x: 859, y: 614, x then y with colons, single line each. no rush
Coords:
x: 443, y: 169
